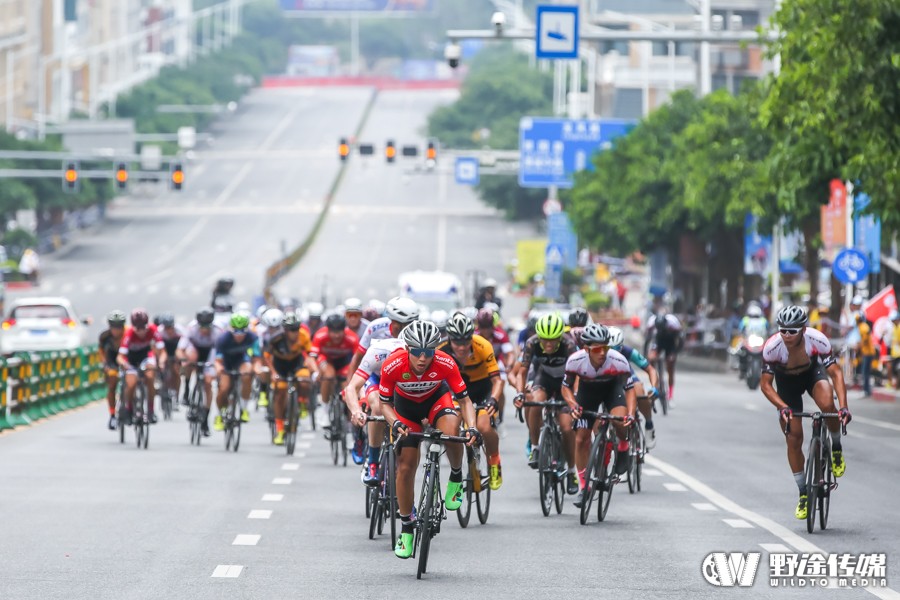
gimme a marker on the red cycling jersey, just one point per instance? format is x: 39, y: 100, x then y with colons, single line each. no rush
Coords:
x: 134, y: 342
x: 338, y: 355
x: 398, y: 377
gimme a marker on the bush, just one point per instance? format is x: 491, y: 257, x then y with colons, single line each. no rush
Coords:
x: 596, y: 301
x: 15, y: 242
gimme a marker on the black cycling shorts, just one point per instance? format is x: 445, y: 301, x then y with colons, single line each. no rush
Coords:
x: 791, y: 387
x: 480, y: 391
x: 592, y: 395
x: 551, y: 385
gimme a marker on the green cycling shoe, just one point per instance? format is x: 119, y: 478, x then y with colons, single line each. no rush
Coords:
x: 802, y: 508
x: 404, y: 547
x: 453, y: 497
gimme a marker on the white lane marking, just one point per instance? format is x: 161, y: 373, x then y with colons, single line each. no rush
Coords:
x: 233, y: 184
x: 651, y: 472
x: 876, y: 423
x: 156, y: 277
x: 259, y: 514
x: 779, y: 531
x: 282, y: 481
x: 770, y: 548
x: 246, y: 539
x: 279, y: 128
x: 300, y: 454
x: 703, y: 506
x: 303, y: 445
x: 152, y: 289
x: 290, y: 466
x: 183, y: 242
x: 675, y: 487
x: 738, y: 523
x: 272, y: 497
x: 228, y: 571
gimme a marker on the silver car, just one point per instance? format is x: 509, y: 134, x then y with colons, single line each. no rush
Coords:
x: 36, y: 324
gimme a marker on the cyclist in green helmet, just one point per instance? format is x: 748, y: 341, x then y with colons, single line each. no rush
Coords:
x: 545, y: 355
x: 235, y: 351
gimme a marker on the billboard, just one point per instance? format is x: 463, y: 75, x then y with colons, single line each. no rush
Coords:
x: 339, y: 6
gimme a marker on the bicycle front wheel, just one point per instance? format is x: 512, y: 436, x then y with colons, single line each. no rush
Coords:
x: 336, y: 431
x: 813, y: 470
x: 546, y: 472
x: 591, y: 481
x: 290, y: 436
x: 825, y: 492
x: 663, y: 385
x: 482, y: 492
x: 427, y: 519
x: 389, y: 500
x: 606, y: 474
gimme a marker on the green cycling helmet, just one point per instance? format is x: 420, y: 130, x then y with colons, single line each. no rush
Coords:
x: 550, y: 327
x: 239, y: 321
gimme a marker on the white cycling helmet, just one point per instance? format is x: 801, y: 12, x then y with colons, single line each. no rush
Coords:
x: 421, y: 334
x: 377, y: 305
x: 470, y: 311
x: 616, y: 337
x: 314, y: 309
x: 243, y: 308
x: 272, y: 318
x: 754, y: 311
x: 261, y: 311
x: 440, y: 318
x: 353, y: 305
x: 402, y: 310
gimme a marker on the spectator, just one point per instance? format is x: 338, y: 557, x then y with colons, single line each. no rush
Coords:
x: 488, y: 293
x: 866, y: 352
x: 893, y: 342
x: 30, y: 265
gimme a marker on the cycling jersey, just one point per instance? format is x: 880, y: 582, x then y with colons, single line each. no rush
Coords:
x: 817, y: 349
x: 379, y: 329
x: 279, y: 347
x: 171, y: 338
x: 109, y: 346
x: 480, y: 364
x: 523, y: 337
x: 372, y: 361
x: 553, y: 364
x: 634, y: 357
x: 338, y: 355
x: 136, y: 346
x: 199, y: 338
x: 233, y: 353
x: 667, y: 336
x: 604, y: 385
x: 361, y: 329
x: 499, y: 340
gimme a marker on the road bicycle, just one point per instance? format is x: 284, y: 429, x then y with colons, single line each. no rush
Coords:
x: 381, y: 499
x: 551, y: 459
x: 338, y: 425
x: 232, y: 418
x: 600, y: 476
x: 195, y: 393
x: 476, y: 486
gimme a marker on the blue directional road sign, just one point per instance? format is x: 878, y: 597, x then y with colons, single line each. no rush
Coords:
x: 466, y: 170
x: 554, y: 262
x: 850, y: 265
x: 552, y: 150
x: 557, y: 32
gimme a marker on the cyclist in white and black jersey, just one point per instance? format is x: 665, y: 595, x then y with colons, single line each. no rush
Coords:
x: 268, y: 327
x: 604, y: 378
x: 798, y: 359
x: 197, y: 346
x: 399, y: 312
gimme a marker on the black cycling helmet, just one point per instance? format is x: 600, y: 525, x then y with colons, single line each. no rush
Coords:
x: 792, y: 316
x: 205, y: 316
x: 460, y: 327
x: 167, y: 319
x: 335, y: 322
x: 291, y: 322
x: 578, y: 317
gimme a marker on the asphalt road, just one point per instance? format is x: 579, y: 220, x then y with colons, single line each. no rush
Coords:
x: 85, y: 517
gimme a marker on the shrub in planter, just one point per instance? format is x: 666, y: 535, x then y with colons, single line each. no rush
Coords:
x: 596, y: 301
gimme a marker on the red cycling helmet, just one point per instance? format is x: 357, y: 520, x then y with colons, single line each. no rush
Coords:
x: 485, y: 318
x: 139, y: 318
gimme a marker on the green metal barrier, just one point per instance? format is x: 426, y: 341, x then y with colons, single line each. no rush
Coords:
x: 41, y: 384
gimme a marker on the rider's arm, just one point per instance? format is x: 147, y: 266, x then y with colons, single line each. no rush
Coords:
x: 351, y: 392
x: 768, y: 390
x: 837, y: 377
x: 496, y: 386
x: 566, y: 389
x: 630, y: 394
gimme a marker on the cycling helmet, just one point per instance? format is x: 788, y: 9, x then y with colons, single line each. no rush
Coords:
x: 291, y: 322
x: 489, y: 283
x: 576, y: 332
x: 754, y: 311
x: 378, y: 306
x: 261, y: 311
x: 402, y: 310
x: 156, y: 320
x: 335, y: 322
x: 273, y: 318
x: 242, y: 307
x: 792, y: 316
x: 222, y: 304
x: 421, y: 334
x: 616, y: 337
x: 353, y: 305
x: 550, y: 327
x: 485, y: 318
x: 470, y: 311
x: 139, y: 318
x: 116, y: 318
x: 315, y: 310
x: 370, y: 314
x: 440, y: 318
x: 205, y: 316
x: 460, y: 327
x: 239, y: 321
x: 491, y: 306
x: 167, y: 320
x: 578, y: 317
x: 225, y: 282
x: 595, y: 333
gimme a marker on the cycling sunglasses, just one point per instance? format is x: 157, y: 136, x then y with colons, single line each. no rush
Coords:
x: 418, y: 352
x: 239, y: 331
x: 597, y: 348
x: 789, y: 331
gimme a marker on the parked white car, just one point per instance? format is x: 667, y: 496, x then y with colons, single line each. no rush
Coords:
x: 36, y: 324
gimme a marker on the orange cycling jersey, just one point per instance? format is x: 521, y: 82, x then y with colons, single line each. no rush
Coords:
x: 481, y: 362
x: 280, y: 348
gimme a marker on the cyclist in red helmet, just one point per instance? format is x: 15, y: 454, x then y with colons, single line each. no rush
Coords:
x: 141, y: 349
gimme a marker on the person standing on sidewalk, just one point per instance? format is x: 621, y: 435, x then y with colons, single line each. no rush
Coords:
x: 30, y: 265
x: 866, y: 351
x: 893, y: 342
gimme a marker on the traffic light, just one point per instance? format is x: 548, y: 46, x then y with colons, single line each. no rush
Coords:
x: 177, y: 176
x: 431, y: 152
x: 121, y: 176
x: 390, y: 152
x: 343, y: 149
x: 70, y: 177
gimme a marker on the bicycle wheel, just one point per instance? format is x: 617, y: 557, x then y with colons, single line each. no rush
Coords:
x: 465, y: 509
x: 639, y: 456
x: 335, y: 431
x: 236, y: 426
x: 663, y: 386
x: 482, y: 492
x: 633, y: 447
x: 813, y: 468
x: 591, y: 482
x: 389, y: 481
x: 559, y: 472
x: 374, y: 510
x: 290, y: 437
x: 607, y: 473
x: 342, y: 422
x: 138, y: 414
x: 311, y: 407
x: 427, y: 519
x: 546, y: 471
x: 825, y: 492
x: 166, y: 401
x: 120, y: 422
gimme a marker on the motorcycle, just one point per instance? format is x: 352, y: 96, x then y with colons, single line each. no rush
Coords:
x: 751, y: 359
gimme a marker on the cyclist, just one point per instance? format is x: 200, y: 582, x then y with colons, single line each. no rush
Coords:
x: 366, y: 378
x: 604, y: 377
x: 313, y: 319
x: 108, y: 345
x: 171, y: 334
x: 269, y: 326
x: 222, y: 292
x: 799, y: 359
x: 286, y: 354
x: 440, y: 318
x: 488, y: 321
x: 195, y: 347
x: 416, y: 384
x: 140, y: 349
x: 528, y: 330
x: 399, y: 312
x: 645, y: 404
x: 664, y: 335
x: 333, y: 347
x: 235, y: 350
x: 353, y: 312
x: 548, y: 350
x: 475, y: 358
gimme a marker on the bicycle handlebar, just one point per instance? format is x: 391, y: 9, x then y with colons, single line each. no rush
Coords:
x: 816, y: 416
x: 551, y: 404
x: 601, y: 415
x: 435, y: 435
x: 371, y: 419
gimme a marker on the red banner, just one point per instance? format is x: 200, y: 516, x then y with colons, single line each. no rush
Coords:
x: 834, y: 220
x: 879, y: 307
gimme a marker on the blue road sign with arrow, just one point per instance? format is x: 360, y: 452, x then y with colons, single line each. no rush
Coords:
x: 557, y: 32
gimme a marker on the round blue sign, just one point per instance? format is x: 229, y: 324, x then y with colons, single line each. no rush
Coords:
x: 850, y: 265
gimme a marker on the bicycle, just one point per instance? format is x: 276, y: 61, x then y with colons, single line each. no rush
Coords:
x: 430, y: 510
x: 637, y: 449
x: 820, y: 481
x: 167, y: 397
x: 381, y: 500
x: 551, y: 460
x: 196, y: 400
x: 140, y: 408
x: 337, y: 428
x: 292, y: 414
x: 663, y: 395
x: 120, y: 404
x: 600, y: 474
x: 476, y: 487
x: 232, y: 418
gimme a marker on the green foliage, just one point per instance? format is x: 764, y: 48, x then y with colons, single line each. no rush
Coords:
x: 15, y: 242
x: 595, y: 301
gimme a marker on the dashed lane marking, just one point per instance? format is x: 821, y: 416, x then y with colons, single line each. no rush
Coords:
x: 259, y: 514
x: 770, y: 548
x: 675, y: 487
x: 290, y: 466
x: 307, y: 436
x: 246, y: 539
x: 704, y: 506
x: 651, y: 473
x: 272, y: 497
x: 738, y: 523
x: 282, y: 481
x: 229, y: 571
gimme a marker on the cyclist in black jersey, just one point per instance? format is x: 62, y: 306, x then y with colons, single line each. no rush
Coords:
x: 109, y: 342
